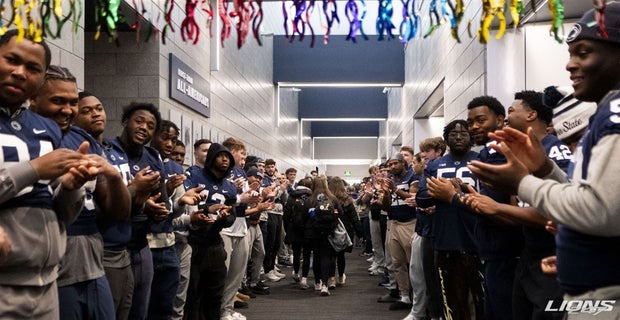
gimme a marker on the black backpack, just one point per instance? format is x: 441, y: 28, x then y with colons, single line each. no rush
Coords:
x: 299, y: 215
x: 324, y: 214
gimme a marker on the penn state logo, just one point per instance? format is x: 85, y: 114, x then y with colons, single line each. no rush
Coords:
x: 574, y: 33
x: 136, y: 167
x: 16, y: 125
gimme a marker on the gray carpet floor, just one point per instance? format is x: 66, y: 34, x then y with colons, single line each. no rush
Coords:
x: 357, y: 299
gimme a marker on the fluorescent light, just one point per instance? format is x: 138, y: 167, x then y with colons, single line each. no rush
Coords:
x: 344, y: 119
x: 338, y: 162
x: 348, y: 137
x: 338, y: 84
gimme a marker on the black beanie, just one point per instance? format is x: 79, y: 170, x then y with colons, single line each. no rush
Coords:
x: 587, y: 27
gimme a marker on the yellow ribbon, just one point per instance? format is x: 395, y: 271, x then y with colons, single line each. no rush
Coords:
x: 490, y: 10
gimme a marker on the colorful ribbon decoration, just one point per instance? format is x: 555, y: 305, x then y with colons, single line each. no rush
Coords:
x: 206, y: 8
x: 189, y: 27
x: 599, y: 13
x: 257, y: 21
x: 433, y: 23
x: 222, y: 7
x: 330, y: 10
x: 352, y: 12
x: 490, y: 10
x: 249, y: 14
x: 556, y: 7
x: 384, y: 20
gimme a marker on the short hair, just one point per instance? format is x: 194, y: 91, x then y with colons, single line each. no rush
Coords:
x: 289, y: 170
x: 489, y: 101
x: 179, y: 143
x: 407, y: 149
x: 167, y: 124
x: 435, y: 143
x: 129, y: 110
x: 270, y: 162
x: 534, y: 101
x: 305, y: 182
x: 200, y: 142
x: 234, y: 144
x: 85, y: 94
x: 450, y: 126
x: 55, y: 72
x: 372, y: 169
x: 14, y: 33
x: 418, y: 157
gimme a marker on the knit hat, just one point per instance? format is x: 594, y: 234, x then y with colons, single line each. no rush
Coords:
x: 569, y: 114
x: 587, y: 27
x: 254, y: 172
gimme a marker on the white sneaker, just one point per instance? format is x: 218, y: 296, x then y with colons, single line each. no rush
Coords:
x: 331, y: 283
x: 271, y: 276
x: 372, y: 267
x: 342, y: 280
x: 409, y: 317
x: 237, y: 316
x: 371, y: 259
x: 318, y: 286
x: 295, y: 276
x: 324, y: 291
x: 279, y: 274
x: 303, y: 284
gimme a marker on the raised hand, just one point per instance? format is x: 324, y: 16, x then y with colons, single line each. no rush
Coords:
x: 441, y: 188
x: 192, y: 196
x: 526, y: 148
x: 156, y: 210
x: 504, y: 177
x: 174, y: 182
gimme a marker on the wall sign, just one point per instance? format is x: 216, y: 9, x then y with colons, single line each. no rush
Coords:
x: 189, y: 88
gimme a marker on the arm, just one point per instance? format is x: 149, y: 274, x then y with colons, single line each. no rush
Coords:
x: 590, y: 206
x: 111, y: 193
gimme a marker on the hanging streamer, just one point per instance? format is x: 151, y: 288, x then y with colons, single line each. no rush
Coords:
x: 222, y: 7
x: 556, y: 7
x: 435, y: 21
x: 189, y: 27
x: 298, y: 23
x: 258, y: 21
x: 406, y: 26
x: 168, y: 7
x: 351, y: 12
x: 330, y: 10
x: 361, y: 20
x: 208, y: 10
x: 490, y: 11
x: 309, y: 11
x: 384, y: 20
x: 599, y: 14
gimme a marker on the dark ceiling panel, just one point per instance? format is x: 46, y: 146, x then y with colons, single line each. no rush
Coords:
x: 339, y: 61
x: 342, y: 103
x: 344, y: 128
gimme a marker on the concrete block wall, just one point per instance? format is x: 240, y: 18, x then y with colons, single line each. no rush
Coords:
x: 68, y: 50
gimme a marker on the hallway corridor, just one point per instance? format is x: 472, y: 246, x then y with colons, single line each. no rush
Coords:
x: 357, y: 299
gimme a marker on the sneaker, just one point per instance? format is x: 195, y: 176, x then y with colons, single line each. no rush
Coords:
x: 371, y: 259
x: 246, y: 291
x: 324, y: 291
x: 240, y: 304
x: 342, y: 280
x: 295, y: 276
x: 376, y: 272
x: 279, y: 274
x: 318, y: 286
x: 393, y: 296
x: 409, y: 317
x: 400, y: 305
x: 259, y: 289
x: 331, y: 283
x: 365, y: 254
x: 373, y: 266
x: 237, y: 316
x: 271, y: 276
x: 242, y: 296
x: 303, y: 284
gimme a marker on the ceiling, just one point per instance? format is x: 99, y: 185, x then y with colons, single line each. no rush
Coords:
x: 324, y: 75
